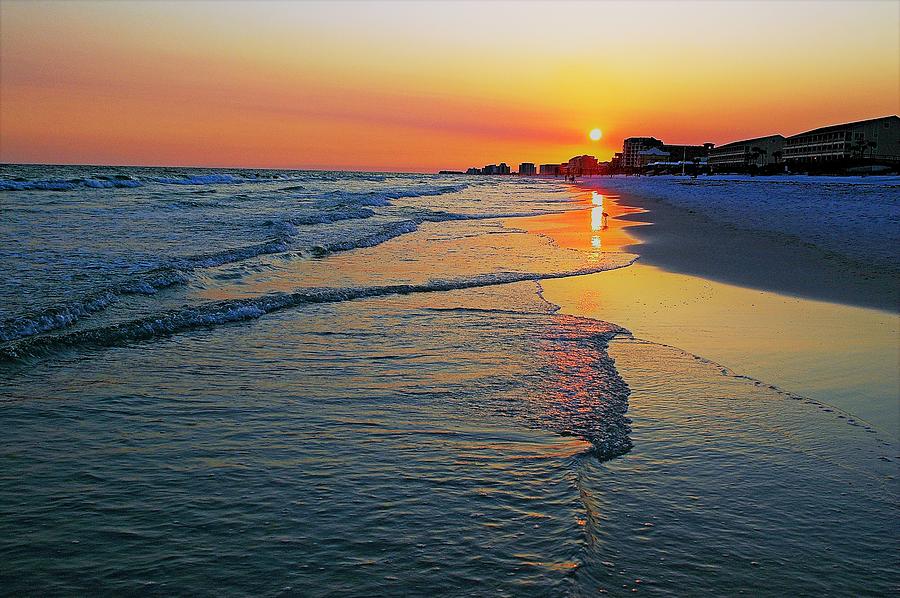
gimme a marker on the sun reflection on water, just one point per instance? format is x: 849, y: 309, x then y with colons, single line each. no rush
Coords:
x: 598, y: 216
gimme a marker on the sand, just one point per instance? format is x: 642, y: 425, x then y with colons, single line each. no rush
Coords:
x: 760, y: 305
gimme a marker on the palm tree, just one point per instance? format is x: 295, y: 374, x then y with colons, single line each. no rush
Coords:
x: 748, y: 158
x: 777, y: 154
x: 759, y: 153
x: 870, y: 145
x: 861, y: 146
x: 754, y: 155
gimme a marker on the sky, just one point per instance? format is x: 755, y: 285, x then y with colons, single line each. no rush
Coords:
x: 422, y: 86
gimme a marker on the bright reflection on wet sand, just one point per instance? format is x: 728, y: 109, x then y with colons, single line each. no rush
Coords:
x: 840, y: 354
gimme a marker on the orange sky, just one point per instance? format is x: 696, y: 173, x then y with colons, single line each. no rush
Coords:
x: 422, y: 86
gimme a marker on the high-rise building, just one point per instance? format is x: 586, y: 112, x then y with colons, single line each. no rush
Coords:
x: 527, y: 168
x: 633, y: 146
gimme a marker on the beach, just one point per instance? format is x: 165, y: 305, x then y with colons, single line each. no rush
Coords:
x: 760, y: 303
x: 306, y: 382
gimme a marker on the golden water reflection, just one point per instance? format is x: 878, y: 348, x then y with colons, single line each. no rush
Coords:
x: 594, y: 229
x: 598, y: 216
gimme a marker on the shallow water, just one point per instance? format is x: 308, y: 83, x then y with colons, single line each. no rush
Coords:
x: 385, y: 404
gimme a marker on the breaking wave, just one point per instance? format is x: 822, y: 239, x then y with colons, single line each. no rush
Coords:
x: 328, y: 216
x: 177, y: 270
x: 578, y: 409
x: 221, y: 312
x: 68, y: 184
x: 385, y: 233
x: 384, y: 196
x: 208, y: 179
x: 149, y: 283
x: 443, y: 216
x: 63, y: 316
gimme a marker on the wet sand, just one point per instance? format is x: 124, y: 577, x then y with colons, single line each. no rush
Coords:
x: 760, y: 305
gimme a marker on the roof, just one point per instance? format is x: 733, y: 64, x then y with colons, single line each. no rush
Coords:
x: 831, y: 128
x: 653, y: 151
x: 747, y: 141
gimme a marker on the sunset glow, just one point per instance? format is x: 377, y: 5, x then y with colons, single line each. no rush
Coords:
x: 421, y: 86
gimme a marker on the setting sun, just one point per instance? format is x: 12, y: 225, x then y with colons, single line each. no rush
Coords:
x: 596, y: 134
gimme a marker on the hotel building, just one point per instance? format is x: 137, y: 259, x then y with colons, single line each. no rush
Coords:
x: 582, y: 166
x: 652, y: 156
x: 632, y: 148
x: 874, y: 139
x: 759, y: 151
x: 550, y: 169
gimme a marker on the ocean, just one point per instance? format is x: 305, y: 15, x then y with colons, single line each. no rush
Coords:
x: 271, y: 382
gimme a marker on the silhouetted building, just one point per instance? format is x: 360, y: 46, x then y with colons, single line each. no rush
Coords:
x: 549, y: 169
x: 616, y: 164
x: 527, y: 168
x: 687, y: 153
x: 875, y: 139
x: 759, y: 151
x: 473, y: 170
x: 502, y: 168
x: 582, y: 166
x: 653, y: 155
x: 633, y: 146
x: 634, y: 156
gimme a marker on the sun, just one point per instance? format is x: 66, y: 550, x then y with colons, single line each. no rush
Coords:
x: 595, y: 134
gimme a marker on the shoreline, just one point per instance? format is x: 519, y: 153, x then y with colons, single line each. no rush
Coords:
x: 745, y: 257
x: 833, y: 345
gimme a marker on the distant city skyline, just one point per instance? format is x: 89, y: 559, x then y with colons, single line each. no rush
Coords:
x: 424, y: 86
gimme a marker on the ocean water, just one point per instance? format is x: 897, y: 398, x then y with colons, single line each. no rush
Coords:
x: 317, y: 384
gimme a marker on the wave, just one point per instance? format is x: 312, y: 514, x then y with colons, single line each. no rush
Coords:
x: 383, y: 197
x: 326, y: 217
x: 63, y: 316
x: 222, y: 312
x: 228, y: 256
x: 418, y: 216
x: 385, y: 233
x: 443, y: 216
x: 206, y: 179
x: 103, y: 183
x: 594, y: 408
x: 227, y: 179
x: 176, y: 271
x: 148, y: 283
x: 68, y: 184
x: 590, y: 399
x: 128, y: 181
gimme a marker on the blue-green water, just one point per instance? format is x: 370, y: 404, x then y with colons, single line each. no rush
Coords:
x: 356, y: 388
